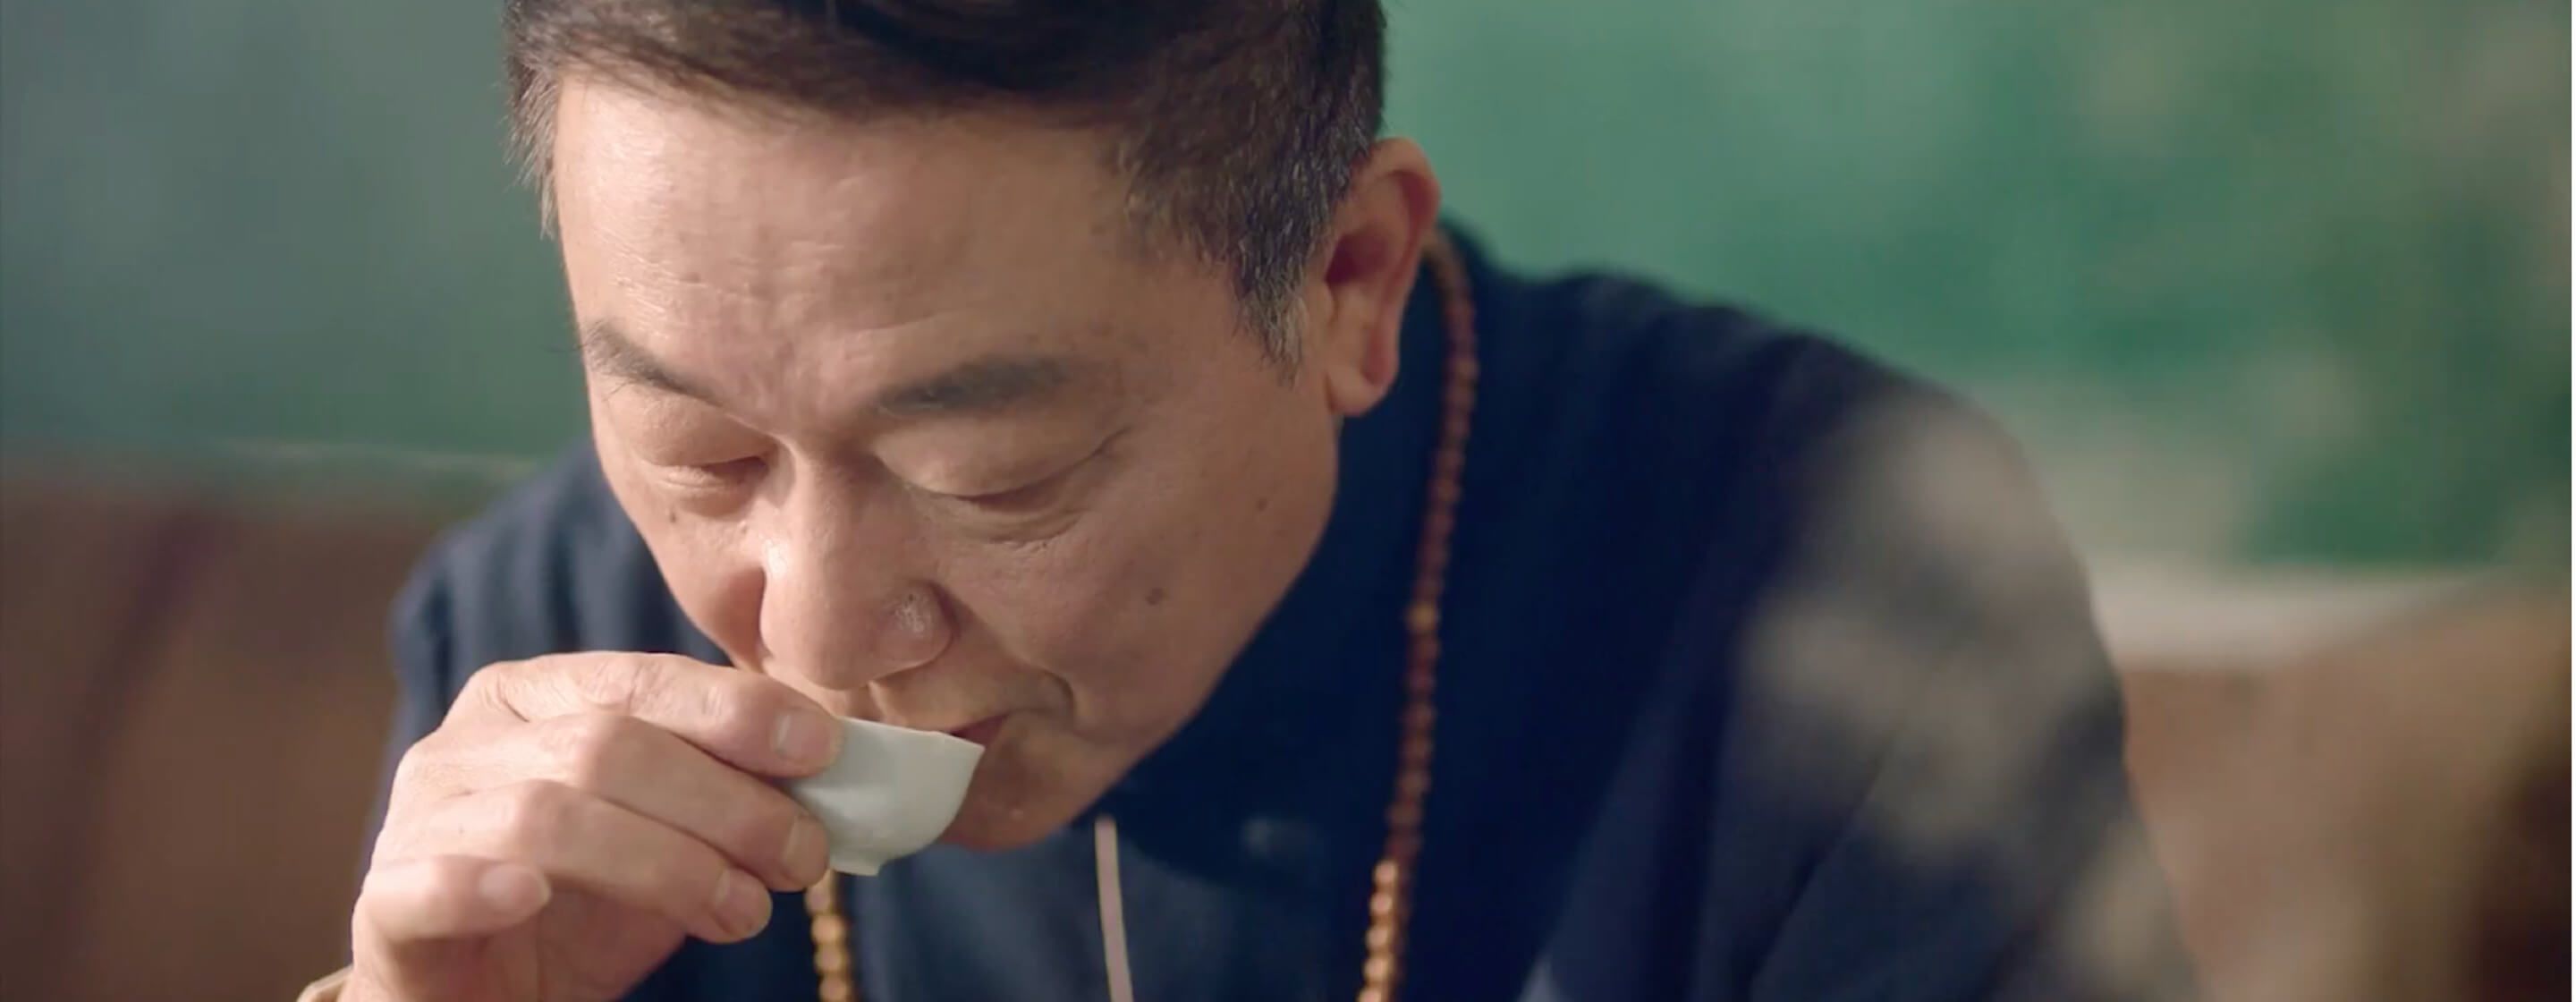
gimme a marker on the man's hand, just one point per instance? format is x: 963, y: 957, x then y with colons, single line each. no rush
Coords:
x: 574, y: 817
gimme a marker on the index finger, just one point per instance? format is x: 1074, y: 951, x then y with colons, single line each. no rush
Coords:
x: 751, y: 721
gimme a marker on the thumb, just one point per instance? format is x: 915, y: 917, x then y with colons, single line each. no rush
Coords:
x: 445, y: 897
x: 417, y: 921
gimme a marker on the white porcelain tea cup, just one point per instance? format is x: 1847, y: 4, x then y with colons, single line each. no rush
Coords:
x: 889, y: 794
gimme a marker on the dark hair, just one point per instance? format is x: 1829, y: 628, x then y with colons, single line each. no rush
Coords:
x: 1236, y: 124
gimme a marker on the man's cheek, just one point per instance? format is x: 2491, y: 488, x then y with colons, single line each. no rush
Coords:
x: 1034, y: 602
x: 1078, y: 601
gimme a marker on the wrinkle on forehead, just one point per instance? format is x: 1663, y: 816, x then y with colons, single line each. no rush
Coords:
x: 746, y: 249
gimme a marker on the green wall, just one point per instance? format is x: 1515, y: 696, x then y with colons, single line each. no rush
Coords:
x: 2279, y: 279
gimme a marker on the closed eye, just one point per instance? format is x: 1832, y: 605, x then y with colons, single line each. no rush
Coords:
x: 1018, y: 500
x: 1035, y: 497
x: 716, y: 476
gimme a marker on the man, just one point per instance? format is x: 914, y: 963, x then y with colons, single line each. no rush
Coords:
x: 1340, y: 613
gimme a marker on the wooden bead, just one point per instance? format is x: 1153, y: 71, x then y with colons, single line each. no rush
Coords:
x: 1425, y: 617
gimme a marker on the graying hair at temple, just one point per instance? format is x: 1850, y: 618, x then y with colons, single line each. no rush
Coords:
x: 1169, y: 81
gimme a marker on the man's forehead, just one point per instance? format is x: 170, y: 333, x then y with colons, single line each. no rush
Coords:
x: 714, y: 196
x: 925, y: 177
x: 710, y: 257
x: 680, y: 215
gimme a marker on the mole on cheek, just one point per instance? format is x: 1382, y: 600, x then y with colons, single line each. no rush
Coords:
x: 1153, y: 596
x: 1261, y: 503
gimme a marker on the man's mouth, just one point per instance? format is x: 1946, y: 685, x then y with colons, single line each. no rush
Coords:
x: 981, y: 732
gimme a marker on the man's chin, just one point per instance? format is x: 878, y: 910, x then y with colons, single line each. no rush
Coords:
x: 989, y: 823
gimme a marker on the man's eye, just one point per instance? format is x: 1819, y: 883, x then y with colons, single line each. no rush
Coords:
x: 717, y: 476
x: 1035, y: 501
x: 1024, y: 499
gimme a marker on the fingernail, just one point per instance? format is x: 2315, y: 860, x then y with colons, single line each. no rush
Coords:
x: 805, y: 738
x: 512, y: 888
x: 806, y: 851
x: 742, y: 904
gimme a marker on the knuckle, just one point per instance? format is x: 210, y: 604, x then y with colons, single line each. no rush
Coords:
x: 538, y: 813
x: 757, y: 835
x: 481, y: 685
x: 733, y: 707
x: 479, y: 682
x: 412, y: 770
x: 425, y: 771
x: 592, y: 750
x: 607, y: 683
x: 411, y: 820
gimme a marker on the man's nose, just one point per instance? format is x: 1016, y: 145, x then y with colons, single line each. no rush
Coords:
x: 839, y: 603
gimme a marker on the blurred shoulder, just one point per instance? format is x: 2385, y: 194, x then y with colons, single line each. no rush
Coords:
x: 1709, y: 465
x: 1620, y: 384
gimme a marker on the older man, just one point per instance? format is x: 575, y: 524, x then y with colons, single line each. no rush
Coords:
x: 1341, y: 614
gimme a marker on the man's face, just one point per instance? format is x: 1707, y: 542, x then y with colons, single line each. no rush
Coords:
x: 911, y: 425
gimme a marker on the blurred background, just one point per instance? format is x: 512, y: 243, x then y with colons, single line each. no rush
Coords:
x: 2274, y: 291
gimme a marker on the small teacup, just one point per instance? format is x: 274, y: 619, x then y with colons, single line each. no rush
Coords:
x: 890, y: 793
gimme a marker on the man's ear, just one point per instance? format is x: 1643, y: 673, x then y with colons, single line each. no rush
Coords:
x: 1355, y: 297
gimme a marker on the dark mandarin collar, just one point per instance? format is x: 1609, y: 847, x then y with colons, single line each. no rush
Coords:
x: 1323, y: 668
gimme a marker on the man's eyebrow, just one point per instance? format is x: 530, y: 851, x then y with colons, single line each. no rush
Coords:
x: 979, y: 386
x: 609, y: 353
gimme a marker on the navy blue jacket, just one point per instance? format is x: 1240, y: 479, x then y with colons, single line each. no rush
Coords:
x: 1765, y: 675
